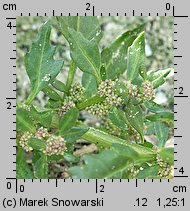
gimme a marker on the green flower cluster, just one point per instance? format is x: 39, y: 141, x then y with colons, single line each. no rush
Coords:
x: 23, y: 141
x: 133, y: 91
x: 148, y: 91
x: 75, y: 95
x: 141, y: 95
x: 41, y: 133
x: 134, y: 134
x: 107, y: 90
x: 55, y: 145
x: 76, y: 92
x: 134, y: 170
x: 66, y: 106
x: 165, y: 169
x: 99, y: 109
x: 113, y: 129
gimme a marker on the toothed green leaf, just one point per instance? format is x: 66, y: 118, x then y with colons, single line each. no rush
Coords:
x: 116, y: 53
x: 90, y: 84
x: 36, y: 144
x: 87, y: 25
x: 118, y: 118
x: 108, y: 164
x: 167, y: 154
x: 162, y: 132
x: 24, y: 121
x: 40, y: 165
x: 85, y: 53
x: 158, y: 77
x: 136, y: 59
x: 23, y: 170
x: 40, y: 65
x: 68, y: 120
x: 135, y: 118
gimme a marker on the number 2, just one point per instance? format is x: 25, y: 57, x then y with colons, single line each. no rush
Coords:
x: 88, y: 6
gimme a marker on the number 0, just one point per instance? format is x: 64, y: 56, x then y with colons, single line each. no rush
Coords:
x: 167, y: 6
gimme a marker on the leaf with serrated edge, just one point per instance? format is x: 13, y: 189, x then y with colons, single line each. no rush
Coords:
x: 41, y: 167
x: 150, y: 172
x: 85, y: 54
x: 40, y: 65
x: 136, y: 58
x: 116, y: 53
x: 135, y: 118
x: 107, y: 164
x: 167, y: 154
x: 36, y: 144
x: 88, y: 25
x: 90, y: 84
x: 118, y: 118
x: 68, y: 120
x: 75, y: 133
x: 162, y: 132
x: 24, y: 121
x: 22, y: 169
x: 158, y: 77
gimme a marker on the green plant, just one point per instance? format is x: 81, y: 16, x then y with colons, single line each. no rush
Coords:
x: 126, y: 108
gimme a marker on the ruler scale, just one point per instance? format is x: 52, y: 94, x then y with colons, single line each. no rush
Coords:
x: 107, y: 194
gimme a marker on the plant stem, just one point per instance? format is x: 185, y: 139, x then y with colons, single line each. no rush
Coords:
x: 71, y: 75
x: 98, y: 78
x: 99, y: 137
x: 91, y: 101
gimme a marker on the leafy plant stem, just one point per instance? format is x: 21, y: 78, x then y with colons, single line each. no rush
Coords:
x: 71, y: 75
x: 91, y: 101
x: 99, y: 137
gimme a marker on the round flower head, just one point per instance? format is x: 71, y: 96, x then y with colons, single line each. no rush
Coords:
x: 148, y: 90
x: 41, y: 133
x: 134, y: 170
x: 165, y: 169
x: 24, y: 141
x: 99, y: 109
x: 67, y: 105
x: 113, y: 129
x: 114, y: 100
x: 55, y: 145
x: 133, y: 91
x: 106, y: 88
x: 76, y: 92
